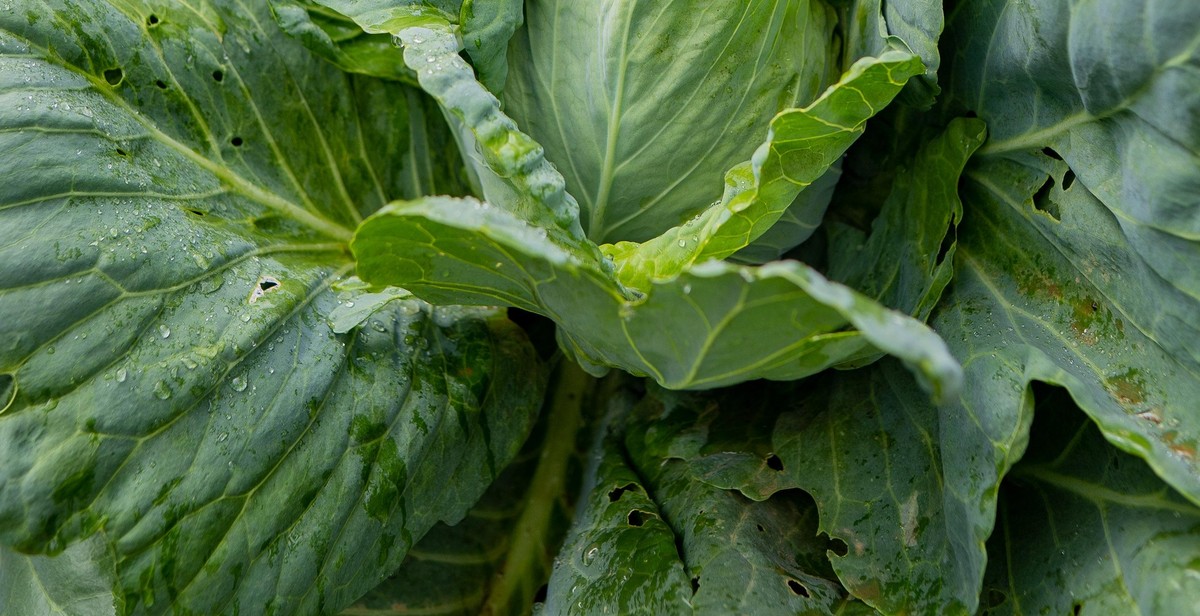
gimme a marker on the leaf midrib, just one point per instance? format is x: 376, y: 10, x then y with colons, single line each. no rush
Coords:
x: 227, y: 176
x: 1100, y: 495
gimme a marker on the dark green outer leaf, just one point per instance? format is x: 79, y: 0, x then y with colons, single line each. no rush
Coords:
x: 866, y: 445
x: 1086, y: 529
x: 78, y: 582
x: 174, y: 185
x: 749, y: 557
x: 620, y: 556
x: 1081, y: 271
x: 459, y: 569
x: 725, y: 437
x: 651, y: 538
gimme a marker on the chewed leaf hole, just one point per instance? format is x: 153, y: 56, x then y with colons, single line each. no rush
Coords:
x: 1048, y: 151
x: 774, y: 463
x: 114, y: 76
x: 265, y: 285
x: 695, y: 584
x: 236, y: 142
x: 121, y: 152
x: 162, y: 85
x: 8, y: 391
x: 152, y: 20
x: 1068, y: 179
x: 218, y: 76
x: 540, y: 595
x: 948, y: 241
x: 615, y: 495
x: 638, y: 518
x: 1043, y: 202
x: 839, y: 547
x: 195, y: 212
x: 798, y: 588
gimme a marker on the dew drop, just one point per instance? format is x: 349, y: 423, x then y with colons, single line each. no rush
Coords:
x: 164, y: 331
x: 221, y: 438
x: 682, y: 243
x: 161, y: 391
x: 238, y: 383
x: 122, y: 374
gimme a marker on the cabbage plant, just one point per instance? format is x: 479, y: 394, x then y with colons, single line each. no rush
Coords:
x: 489, y: 306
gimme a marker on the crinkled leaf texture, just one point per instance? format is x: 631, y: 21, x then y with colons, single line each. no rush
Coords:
x: 1054, y: 281
x: 497, y: 559
x: 177, y: 184
x: 688, y: 331
x: 653, y: 537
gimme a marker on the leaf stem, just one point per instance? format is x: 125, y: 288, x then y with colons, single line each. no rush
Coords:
x: 572, y: 389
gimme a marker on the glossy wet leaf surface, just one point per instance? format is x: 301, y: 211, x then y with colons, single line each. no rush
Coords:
x: 168, y: 278
x: 527, y: 250
x: 1078, y: 264
x: 236, y: 375
x: 652, y: 535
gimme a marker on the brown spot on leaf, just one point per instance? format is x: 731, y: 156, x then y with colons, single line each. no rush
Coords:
x: 1084, y: 319
x: 1150, y: 415
x: 1186, y: 451
x: 868, y: 591
x: 1127, y: 388
x: 1182, y: 449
